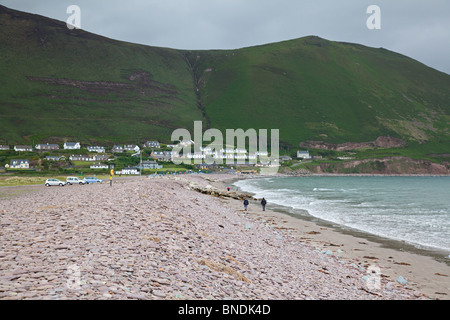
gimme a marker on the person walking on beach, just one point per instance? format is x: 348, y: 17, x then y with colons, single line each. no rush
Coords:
x: 245, y: 204
x: 263, y: 203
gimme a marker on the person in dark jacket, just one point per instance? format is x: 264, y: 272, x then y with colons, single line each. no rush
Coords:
x: 245, y: 204
x: 263, y: 203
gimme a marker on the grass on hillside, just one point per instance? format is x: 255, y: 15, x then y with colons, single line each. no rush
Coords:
x: 58, y: 84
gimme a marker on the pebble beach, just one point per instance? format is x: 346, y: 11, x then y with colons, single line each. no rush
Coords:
x: 154, y: 238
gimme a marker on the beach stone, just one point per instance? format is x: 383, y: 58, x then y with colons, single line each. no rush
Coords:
x: 136, y: 296
x: 402, y: 280
x: 159, y: 293
x: 148, y: 242
x: 161, y: 281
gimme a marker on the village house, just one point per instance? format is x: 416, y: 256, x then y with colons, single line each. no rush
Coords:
x: 161, y: 155
x: 99, y: 166
x: 285, y: 158
x: 72, y: 146
x: 226, y: 150
x: 19, y: 164
x: 47, y: 146
x: 303, y: 155
x: 81, y: 157
x: 151, y: 165
x: 23, y: 148
x: 196, y: 155
x: 97, y: 149
x: 130, y: 171
x: 4, y: 148
x: 53, y: 158
x: 186, y: 143
x: 152, y: 144
x: 262, y: 153
x: 100, y: 157
x: 206, y: 150
x: 205, y: 166
x: 117, y: 149
x: 131, y: 147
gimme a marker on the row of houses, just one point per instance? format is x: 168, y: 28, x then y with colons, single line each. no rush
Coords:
x: 77, y: 146
x: 25, y: 164
x: 42, y: 147
x: 136, y: 170
x: 89, y: 158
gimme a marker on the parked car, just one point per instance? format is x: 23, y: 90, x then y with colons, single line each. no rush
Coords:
x: 75, y: 180
x: 54, y: 182
x: 92, y: 180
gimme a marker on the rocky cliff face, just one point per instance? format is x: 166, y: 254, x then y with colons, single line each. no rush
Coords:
x: 391, y: 165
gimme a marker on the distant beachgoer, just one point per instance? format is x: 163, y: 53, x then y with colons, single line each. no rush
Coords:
x: 245, y: 204
x: 263, y: 203
x: 228, y: 189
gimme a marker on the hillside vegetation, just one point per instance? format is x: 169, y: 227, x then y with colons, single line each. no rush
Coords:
x: 58, y: 83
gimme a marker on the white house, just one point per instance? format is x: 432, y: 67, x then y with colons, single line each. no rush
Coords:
x: 72, y: 146
x: 303, y: 154
x: 97, y: 149
x: 130, y: 170
x: 161, y: 156
x: 116, y: 149
x: 47, y: 146
x: 4, y: 148
x: 131, y: 147
x: 23, y: 148
x: 99, y: 166
x: 152, y: 144
x: 81, y: 157
x: 186, y: 143
x: 19, y: 164
x: 151, y: 165
x: 53, y: 158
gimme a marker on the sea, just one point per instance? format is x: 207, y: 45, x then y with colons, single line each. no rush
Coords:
x: 412, y: 209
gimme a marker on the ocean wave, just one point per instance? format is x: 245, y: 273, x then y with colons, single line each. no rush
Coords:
x: 383, y: 207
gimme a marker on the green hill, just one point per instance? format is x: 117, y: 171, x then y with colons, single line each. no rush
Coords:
x: 312, y: 88
x: 57, y: 82
x: 61, y: 83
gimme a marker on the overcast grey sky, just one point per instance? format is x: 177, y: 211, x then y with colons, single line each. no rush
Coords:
x: 417, y: 28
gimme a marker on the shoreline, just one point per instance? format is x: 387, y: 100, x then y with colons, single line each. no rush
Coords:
x: 427, y: 270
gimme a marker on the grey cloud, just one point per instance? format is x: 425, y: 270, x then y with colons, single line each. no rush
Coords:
x: 416, y: 28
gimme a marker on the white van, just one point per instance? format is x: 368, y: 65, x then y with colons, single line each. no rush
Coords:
x: 75, y: 180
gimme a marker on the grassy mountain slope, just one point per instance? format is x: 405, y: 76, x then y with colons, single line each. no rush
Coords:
x: 61, y: 83
x: 314, y: 89
x: 57, y: 82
